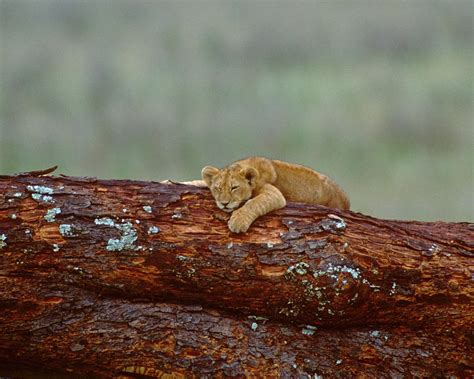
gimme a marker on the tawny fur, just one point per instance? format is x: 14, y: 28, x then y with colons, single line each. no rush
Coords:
x: 256, y: 186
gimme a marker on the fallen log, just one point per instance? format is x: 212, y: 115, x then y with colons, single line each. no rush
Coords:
x: 114, y: 276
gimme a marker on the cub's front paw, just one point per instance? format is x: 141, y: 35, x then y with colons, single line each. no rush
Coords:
x: 239, y: 222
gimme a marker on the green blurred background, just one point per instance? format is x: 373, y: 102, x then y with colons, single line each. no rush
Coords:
x: 376, y: 94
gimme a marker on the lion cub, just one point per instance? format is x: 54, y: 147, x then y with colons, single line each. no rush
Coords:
x: 256, y: 186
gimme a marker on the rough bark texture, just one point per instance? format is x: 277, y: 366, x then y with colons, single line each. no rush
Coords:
x: 105, y: 277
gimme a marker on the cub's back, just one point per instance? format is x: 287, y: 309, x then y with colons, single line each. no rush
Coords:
x: 296, y: 182
x: 302, y: 184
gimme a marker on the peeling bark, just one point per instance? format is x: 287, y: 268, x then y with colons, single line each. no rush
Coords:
x: 105, y: 276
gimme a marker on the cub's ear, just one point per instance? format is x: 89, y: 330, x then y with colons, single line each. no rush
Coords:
x: 251, y: 175
x: 208, y: 173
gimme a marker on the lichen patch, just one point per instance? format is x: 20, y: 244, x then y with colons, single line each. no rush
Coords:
x: 104, y: 221
x: 153, y: 230
x: 309, y: 330
x: 50, y: 215
x: 40, y: 197
x: 354, y: 272
x: 3, y: 238
x: 40, y: 189
x: 126, y: 240
x: 41, y: 193
x: 299, y: 268
x: 65, y: 230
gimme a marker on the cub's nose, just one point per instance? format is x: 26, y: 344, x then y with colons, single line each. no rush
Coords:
x: 224, y: 203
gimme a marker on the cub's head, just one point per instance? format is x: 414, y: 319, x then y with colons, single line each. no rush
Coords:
x: 231, y: 186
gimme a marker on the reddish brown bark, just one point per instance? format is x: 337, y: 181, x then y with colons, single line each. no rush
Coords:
x: 100, y: 275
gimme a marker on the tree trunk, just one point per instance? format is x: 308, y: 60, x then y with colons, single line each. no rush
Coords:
x: 109, y: 277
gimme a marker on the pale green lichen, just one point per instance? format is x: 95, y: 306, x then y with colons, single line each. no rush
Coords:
x: 104, y: 221
x: 291, y: 310
x: 181, y: 257
x: 3, y: 238
x: 40, y: 189
x: 50, y: 215
x: 354, y: 272
x: 65, y: 230
x: 375, y: 334
x: 309, y: 330
x: 126, y: 240
x: 147, y: 208
x: 42, y: 197
x: 393, y: 289
x: 153, y: 230
x: 55, y: 247
x: 311, y: 290
x: 17, y: 194
x: 300, y: 268
x: 254, y: 326
x: 13, y: 216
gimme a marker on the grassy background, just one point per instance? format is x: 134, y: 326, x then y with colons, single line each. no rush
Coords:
x: 378, y: 95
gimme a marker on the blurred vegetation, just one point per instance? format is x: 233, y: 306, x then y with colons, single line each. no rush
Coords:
x: 378, y: 95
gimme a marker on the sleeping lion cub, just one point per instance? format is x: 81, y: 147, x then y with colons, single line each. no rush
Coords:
x: 255, y: 186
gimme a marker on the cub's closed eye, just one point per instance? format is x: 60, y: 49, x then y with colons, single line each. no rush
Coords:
x: 234, y: 188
